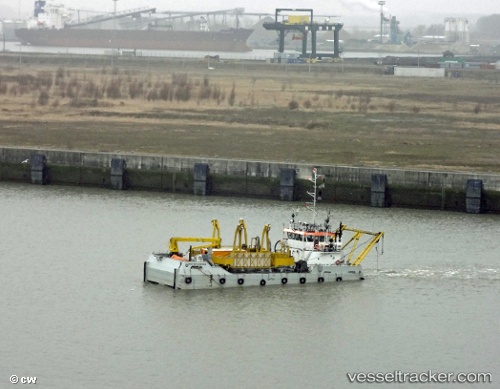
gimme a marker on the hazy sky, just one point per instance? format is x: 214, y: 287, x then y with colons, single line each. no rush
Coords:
x: 345, y: 8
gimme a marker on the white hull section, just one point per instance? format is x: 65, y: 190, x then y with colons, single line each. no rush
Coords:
x: 200, y: 274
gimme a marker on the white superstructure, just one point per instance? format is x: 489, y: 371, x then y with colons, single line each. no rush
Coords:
x: 52, y: 16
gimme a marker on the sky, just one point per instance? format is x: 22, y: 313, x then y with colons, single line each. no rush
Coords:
x: 411, y: 12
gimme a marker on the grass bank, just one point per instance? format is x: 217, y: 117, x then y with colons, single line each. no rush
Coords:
x: 343, y: 113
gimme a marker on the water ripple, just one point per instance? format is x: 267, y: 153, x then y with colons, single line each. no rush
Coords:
x: 443, y: 273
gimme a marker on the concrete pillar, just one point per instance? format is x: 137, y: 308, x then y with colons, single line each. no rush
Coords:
x: 474, y: 196
x: 281, y: 43
x: 336, y: 40
x: 287, y: 184
x: 201, y: 179
x: 118, y: 166
x: 313, y: 43
x: 379, y: 190
x: 39, y: 169
x: 304, y: 43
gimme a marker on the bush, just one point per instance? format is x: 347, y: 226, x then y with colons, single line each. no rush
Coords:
x: 216, y: 93
x: 44, y: 79
x: 73, y: 88
x: 232, y: 96
x: 293, y: 105
x: 477, y: 108
x: 152, y: 95
x: 43, y: 97
x: 136, y: 89
x: 60, y: 72
x: 205, y: 90
x: 26, y: 79
x: 165, y: 92
x: 183, y: 92
x: 180, y: 79
x: 362, y: 108
x: 113, y: 90
x: 307, y: 104
x: 14, y: 90
x: 90, y: 89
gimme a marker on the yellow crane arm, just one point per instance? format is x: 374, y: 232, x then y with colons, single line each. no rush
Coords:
x: 240, y: 236
x: 214, y: 241
x: 174, y: 247
x: 216, y: 229
x: 376, y: 236
x: 265, y: 241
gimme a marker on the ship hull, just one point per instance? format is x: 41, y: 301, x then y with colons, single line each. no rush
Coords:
x: 161, y: 269
x: 232, y: 40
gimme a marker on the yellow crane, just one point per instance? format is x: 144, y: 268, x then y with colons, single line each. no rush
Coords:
x: 240, y: 242
x: 354, y: 240
x: 214, y: 241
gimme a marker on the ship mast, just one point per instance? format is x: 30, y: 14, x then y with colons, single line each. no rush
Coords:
x: 312, y: 205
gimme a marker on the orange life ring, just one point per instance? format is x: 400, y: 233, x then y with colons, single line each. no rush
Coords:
x: 337, y: 262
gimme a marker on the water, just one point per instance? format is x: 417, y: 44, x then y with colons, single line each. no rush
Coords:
x: 254, y: 55
x: 75, y: 313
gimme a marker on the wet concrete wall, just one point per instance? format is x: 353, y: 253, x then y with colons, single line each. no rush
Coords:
x: 343, y: 184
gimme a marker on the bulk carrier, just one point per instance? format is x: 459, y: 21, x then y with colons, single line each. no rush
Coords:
x: 52, y: 25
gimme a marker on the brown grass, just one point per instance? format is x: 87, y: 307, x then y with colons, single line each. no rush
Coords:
x: 335, y: 114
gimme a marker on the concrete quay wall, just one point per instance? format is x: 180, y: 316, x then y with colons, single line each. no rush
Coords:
x: 343, y: 184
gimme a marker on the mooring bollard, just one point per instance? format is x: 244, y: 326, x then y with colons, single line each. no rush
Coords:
x: 474, y: 196
x: 379, y: 190
x: 201, y: 179
x: 39, y: 169
x: 118, y: 166
x: 287, y: 184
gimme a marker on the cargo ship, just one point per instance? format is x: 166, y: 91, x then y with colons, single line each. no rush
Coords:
x: 52, y: 26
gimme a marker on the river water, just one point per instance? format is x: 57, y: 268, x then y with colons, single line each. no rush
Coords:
x: 253, y: 55
x: 75, y: 313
